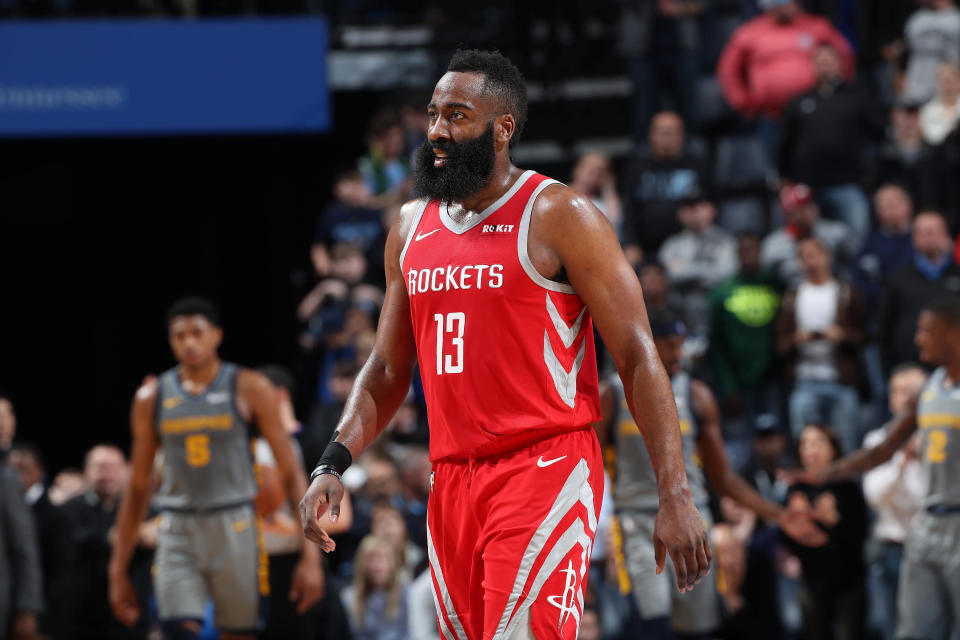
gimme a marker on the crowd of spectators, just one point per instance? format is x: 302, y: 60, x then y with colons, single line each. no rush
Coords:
x: 801, y: 313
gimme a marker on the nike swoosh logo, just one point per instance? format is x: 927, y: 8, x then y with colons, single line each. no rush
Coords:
x: 546, y: 463
x: 421, y: 236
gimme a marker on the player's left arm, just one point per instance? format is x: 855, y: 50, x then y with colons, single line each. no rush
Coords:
x: 260, y: 396
x: 570, y: 238
x: 726, y: 482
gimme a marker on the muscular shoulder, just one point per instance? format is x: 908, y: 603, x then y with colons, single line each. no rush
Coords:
x: 560, y: 210
x: 146, y: 395
x: 401, y: 229
x: 251, y: 384
x: 406, y: 219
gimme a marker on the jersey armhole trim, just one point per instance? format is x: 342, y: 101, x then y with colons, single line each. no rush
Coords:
x: 522, y: 237
x: 413, y: 228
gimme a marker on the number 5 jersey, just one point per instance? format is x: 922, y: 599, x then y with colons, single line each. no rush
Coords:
x: 506, y: 356
x: 206, y: 443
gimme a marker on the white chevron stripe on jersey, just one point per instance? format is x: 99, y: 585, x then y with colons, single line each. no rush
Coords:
x: 458, y: 631
x: 576, y: 489
x: 567, y: 334
x: 565, y: 381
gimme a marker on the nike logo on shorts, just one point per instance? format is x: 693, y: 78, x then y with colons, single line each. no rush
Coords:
x: 546, y: 463
x: 421, y: 236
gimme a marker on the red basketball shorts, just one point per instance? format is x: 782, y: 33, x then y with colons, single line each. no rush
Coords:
x: 509, y: 539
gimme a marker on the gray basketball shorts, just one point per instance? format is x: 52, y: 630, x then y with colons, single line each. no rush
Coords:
x: 928, y: 598
x: 657, y: 596
x: 212, y: 556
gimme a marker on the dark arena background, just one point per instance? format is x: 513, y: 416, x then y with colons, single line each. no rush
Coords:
x: 101, y: 235
x: 783, y: 177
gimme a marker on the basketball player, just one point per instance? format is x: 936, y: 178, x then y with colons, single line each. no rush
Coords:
x: 201, y: 414
x: 663, y: 611
x: 494, y: 279
x: 929, y: 591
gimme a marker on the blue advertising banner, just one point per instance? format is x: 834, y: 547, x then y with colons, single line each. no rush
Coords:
x: 149, y: 76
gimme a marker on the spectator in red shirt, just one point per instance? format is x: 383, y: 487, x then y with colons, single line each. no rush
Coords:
x: 768, y: 60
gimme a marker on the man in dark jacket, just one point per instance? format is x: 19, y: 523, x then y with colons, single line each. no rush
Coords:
x: 92, y: 516
x: 654, y: 186
x: 56, y: 549
x: 931, y: 273
x: 822, y: 138
x: 21, y: 589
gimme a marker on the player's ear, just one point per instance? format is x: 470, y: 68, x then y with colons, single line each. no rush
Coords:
x: 217, y: 336
x: 503, y: 128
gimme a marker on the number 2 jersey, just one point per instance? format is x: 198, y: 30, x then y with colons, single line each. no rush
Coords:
x: 938, y: 416
x: 506, y: 356
x: 206, y: 444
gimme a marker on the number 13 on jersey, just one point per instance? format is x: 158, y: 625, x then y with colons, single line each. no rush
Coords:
x: 450, y: 326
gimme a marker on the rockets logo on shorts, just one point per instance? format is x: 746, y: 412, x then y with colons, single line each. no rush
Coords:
x: 566, y: 601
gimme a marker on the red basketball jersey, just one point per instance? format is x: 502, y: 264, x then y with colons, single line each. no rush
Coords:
x: 506, y: 356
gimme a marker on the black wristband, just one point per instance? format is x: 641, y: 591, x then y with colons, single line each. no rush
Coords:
x: 337, y: 456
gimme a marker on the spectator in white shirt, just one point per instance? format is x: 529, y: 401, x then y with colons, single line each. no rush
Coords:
x: 820, y: 329
x: 893, y: 490
x: 698, y: 258
x: 938, y: 118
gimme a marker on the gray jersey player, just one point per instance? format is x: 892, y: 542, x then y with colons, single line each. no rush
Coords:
x: 663, y: 609
x: 929, y: 592
x: 203, y: 415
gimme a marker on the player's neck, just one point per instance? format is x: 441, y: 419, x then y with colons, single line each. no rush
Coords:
x: 503, y: 176
x: 198, y: 378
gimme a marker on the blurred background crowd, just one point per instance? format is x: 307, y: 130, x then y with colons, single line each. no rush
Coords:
x: 782, y: 174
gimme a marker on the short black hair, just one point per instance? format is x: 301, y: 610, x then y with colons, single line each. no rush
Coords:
x: 904, y: 367
x: 651, y: 263
x: 946, y: 308
x: 31, y: 450
x: 194, y: 306
x: 665, y: 323
x: 279, y: 375
x: 501, y: 78
x: 346, y: 173
x: 383, y: 121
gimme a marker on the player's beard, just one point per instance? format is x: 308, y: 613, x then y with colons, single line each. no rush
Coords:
x: 467, y: 170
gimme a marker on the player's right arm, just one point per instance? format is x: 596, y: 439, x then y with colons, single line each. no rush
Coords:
x: 381, y: 385
x: 133, y: 506
x: 865, y: 459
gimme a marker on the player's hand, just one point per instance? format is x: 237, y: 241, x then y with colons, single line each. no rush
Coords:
x: 308, y: 583
x: 123, y: 599
x: 799, y: 525
x: 325, y: 492
x: 679, y: 530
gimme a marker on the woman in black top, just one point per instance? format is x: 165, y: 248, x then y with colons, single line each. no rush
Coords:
x: 832, y: 590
